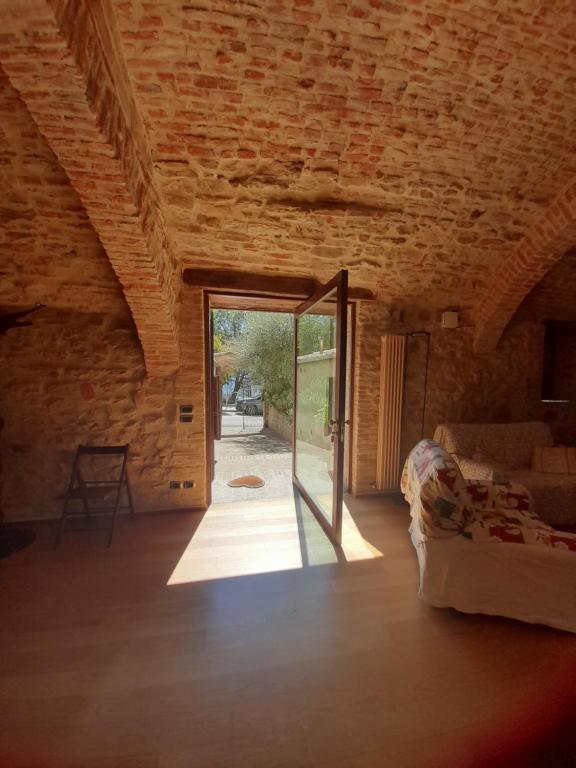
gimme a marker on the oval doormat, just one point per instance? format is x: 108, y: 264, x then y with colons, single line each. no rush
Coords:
x: 246, y: 481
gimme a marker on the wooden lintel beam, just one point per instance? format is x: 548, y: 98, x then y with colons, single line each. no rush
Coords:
x: 248, y: 282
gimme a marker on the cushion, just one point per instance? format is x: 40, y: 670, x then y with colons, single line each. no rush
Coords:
x: 473, y: 469
x: 554, y: 495
x: 484, y: 456
x: 508, y: 445
x: 559, y: 460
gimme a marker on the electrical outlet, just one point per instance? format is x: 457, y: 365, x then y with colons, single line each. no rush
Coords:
x: 175, y: 485
x: 186, y: 414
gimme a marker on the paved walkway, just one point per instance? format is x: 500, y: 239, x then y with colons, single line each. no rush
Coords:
x: 240, y: 423
x: 264, y: 454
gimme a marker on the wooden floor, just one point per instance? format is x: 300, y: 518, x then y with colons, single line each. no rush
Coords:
x: 134, y: 658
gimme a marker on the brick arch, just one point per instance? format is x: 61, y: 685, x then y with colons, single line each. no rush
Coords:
x: 544, y: 244
x: 63, y: 58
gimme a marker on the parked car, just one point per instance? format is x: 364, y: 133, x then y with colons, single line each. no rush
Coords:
x: 251, y: 406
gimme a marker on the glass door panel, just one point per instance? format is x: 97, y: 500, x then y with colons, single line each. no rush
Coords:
x: 319, y: 402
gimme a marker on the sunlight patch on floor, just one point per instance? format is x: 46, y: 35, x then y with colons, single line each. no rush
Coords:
x: 248, y: 538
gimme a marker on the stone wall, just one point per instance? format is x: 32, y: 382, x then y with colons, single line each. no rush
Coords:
x: 278, y: 422
x: 74, y: 378
x: 76, y: 374
x: 79, y: 377
x: 504, y: 385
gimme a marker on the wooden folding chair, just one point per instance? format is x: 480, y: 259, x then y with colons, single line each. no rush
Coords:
x: 90, y: 491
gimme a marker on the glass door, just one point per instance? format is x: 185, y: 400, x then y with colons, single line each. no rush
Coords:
x: 319, y: 402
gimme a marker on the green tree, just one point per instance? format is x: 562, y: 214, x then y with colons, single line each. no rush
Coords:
x: 228, y: 326
x: 316, y: 333
x: 266, y: 351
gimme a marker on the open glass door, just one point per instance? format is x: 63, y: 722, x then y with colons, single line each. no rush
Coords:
x: 319, y: 402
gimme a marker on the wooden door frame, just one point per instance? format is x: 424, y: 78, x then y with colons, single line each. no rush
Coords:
x: 208, y: 400
x: 340, y: 283
x: 207, y: 293
x: 351, y: 354
x: 209, y: 437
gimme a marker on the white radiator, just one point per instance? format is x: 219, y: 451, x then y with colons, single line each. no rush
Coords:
x: 392, y: 357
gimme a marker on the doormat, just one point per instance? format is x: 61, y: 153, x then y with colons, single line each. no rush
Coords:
x: 246, y: 481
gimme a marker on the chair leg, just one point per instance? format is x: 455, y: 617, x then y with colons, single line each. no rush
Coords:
x: 86, y: 506
x: 82, y: 489
x: 130, y: 499
x: 62, y: 523
x: 115, y: 512
x: 64, y: 515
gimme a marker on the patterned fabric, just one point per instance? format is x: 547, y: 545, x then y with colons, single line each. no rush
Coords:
x: 436, y: 491
x: 490, y: 497
x: 508, y: 445
x: 560, y: 460
x: 445, y: 504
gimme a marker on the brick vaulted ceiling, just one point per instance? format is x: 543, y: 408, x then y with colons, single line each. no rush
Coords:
x: 417, y: 143
x: 413, y: 142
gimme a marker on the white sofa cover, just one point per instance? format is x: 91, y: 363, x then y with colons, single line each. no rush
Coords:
x: 491, y: 556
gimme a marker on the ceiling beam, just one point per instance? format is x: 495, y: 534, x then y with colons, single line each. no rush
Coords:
x: 275, y: 285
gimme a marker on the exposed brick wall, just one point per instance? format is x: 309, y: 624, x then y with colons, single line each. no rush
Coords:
x: 54, y: 56
x: 49, y: 251
x: 554, y: 298
x: 372, y: 320
x: 190, y: 445
x: 542, y: 247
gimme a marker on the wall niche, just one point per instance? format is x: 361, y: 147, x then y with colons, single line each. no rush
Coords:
x: 559, y: 363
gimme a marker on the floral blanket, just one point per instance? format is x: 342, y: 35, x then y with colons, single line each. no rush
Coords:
x: 444, y: 504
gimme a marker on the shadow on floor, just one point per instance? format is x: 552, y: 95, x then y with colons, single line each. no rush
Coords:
x: 247, y: 445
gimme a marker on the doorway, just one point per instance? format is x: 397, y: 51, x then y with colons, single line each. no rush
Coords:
x: 252, y: 404
x: 260, y: 410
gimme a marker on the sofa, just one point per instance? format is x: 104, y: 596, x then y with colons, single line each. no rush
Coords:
x: 482, y: 549
x: 503, y: 453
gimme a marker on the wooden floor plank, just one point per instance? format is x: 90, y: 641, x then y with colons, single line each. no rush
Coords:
x: 103, y: 663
